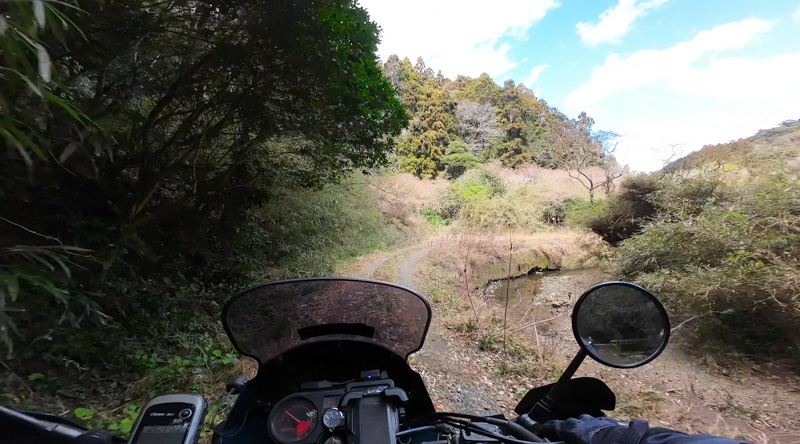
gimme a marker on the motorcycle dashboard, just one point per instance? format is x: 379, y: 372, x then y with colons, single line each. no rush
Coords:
x: 296, y: 419
x: 313, y: 416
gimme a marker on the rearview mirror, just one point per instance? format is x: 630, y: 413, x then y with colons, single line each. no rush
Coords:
x: 620, y: 324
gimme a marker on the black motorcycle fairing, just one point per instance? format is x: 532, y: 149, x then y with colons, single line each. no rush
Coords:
x: 328, y: 360
x: 581, y: 396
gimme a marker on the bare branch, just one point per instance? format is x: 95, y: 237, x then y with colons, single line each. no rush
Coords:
x: 31, y: 231
x: 478, y: 124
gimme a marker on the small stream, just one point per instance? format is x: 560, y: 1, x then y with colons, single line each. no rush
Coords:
x: 540, y: 295
x: 527, y: 286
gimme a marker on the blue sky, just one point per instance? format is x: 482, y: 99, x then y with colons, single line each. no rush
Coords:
x: 669, y: 75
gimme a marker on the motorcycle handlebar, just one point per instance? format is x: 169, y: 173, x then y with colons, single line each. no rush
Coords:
x: 49, y: 430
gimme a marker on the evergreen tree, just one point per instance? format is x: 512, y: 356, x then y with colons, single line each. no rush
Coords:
x: 508, y: 123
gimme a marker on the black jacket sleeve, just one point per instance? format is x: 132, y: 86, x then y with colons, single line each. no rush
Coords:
x: 639, y: 432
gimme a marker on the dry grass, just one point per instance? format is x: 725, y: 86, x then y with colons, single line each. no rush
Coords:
x: 398, y: 196
x: 524, y: 362
x: 485, y: 252
x: 409, y: 189
x: 464, y: 262
x: 558, y: 183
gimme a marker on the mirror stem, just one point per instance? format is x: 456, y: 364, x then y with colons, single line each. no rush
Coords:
x: 543, y: 410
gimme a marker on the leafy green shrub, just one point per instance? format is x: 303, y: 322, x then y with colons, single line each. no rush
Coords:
x: 458, y: 159
x: 469, y: 188
x: 131, y: 188
x: 435, y: 218
x: 555, y: 212
x: 520, y: 207
x: 492, y: 181
x: 679, y: 196
x: 580, y: 212
x: 307, y: 232
x: 480, y: 199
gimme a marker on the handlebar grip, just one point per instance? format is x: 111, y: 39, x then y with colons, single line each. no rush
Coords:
x: 51, y: 431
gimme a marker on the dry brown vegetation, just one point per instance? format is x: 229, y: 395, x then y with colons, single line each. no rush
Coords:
x: 484, y: 254
x: 399, y: 196
x: 676, y: 391
x: 557, y: 183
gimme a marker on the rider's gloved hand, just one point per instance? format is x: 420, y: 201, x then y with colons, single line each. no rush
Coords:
x: 590, y: 430
x: 579, y: 430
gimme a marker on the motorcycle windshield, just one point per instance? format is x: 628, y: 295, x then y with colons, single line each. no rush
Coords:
x: 265, y: 321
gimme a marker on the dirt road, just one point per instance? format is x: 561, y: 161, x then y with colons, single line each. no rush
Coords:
x: 675, y: 391
x: 441, y: 362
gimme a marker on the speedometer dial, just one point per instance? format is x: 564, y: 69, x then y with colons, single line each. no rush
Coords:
x: 293, y: 420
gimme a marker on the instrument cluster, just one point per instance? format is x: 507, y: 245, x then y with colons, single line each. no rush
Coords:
x: 305, y: 417
x: 323, y: 412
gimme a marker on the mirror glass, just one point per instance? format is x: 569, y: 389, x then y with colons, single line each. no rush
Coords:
x: 620, y: 324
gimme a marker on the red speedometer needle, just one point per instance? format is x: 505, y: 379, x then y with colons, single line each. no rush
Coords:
x: 292, y: 416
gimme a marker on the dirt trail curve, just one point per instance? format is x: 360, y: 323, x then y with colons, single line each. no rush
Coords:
x: 409, y: 267
x: 374, y: 262
x: 444, y: 362
x: 385, y: 262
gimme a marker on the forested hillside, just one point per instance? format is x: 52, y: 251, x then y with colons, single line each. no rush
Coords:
x: 458, y: 124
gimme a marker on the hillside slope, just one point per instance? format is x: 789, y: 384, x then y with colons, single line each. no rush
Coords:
x: 778, y: 143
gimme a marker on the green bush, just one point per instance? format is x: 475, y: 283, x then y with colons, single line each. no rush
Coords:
x: 467, y: 189
x: 480, y: 199
x: 680, y: 196
x: 127, y: 182
x: 301, y: 233
x: 622, y: 214
x: 458, y: 159
x: 520, y: 207
x: 579, y: 212
x: 640, y: 198
x: 435, y: 218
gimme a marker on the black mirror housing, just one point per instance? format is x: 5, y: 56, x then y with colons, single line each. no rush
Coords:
x: 620, y: 324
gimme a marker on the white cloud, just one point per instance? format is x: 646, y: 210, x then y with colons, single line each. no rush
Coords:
x: 615, y: 22
x: 649, y: 142
x: 458, y: 37
x: 796, y: 15
x: 647, y: 67
x: 534, y: 75
x: 690, y: 94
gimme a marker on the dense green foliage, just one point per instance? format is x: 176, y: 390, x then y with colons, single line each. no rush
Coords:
x: 308, y: 232
x: 507, y: 123
x: 480, y: 199
x: 732, y: 255
x: 149, y: 148
x: 458, y: 159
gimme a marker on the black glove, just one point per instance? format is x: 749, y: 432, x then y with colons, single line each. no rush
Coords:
x: 590, y: 430
x: 579, y: 430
